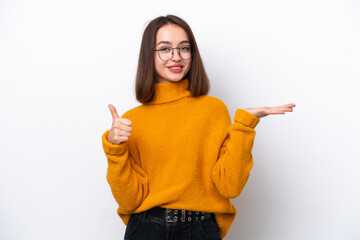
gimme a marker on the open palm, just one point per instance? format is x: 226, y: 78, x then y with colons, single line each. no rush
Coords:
x: 264, y: 111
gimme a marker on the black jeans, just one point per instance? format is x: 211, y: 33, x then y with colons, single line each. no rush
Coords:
x: 142, y: 226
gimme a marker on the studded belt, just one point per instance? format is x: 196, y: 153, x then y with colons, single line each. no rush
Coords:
x: 178, y: 215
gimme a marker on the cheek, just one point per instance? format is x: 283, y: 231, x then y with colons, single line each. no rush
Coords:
x: 158, y: 65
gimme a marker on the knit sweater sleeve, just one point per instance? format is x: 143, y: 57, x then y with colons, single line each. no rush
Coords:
x: 127, y: 180
x: 232, y: 169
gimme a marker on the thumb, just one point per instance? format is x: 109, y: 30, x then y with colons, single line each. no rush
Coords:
x: 113, y: 111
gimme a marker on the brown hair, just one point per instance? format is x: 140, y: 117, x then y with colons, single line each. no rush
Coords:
x: 146, y: 76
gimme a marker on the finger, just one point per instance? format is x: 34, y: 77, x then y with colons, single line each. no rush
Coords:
x: 281, y: 111
x: 289, y: 105
x: 125, y: 121
x: 283, y: 108
x: 117, y: 123
x: 113, y: 111
x: 125, y: 128
x: 125, y: 133
x: 121, y: 139
x: 120, y: 133
x: 277, y: 112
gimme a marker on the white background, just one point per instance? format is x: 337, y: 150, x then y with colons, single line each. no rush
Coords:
x: 62, y: 62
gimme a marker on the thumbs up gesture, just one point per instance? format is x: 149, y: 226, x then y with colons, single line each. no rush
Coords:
x: 120, y: 129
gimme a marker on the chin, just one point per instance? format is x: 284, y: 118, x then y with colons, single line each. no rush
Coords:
x: 176, y: 78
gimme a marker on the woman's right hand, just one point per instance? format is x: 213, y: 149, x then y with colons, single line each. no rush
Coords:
x: 120, y: 129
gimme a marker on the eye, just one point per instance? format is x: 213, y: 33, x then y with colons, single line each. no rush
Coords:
x: 164, y: 49
x: 185, y: 49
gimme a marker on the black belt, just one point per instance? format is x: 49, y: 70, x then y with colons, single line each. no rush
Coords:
x: 178, y: 215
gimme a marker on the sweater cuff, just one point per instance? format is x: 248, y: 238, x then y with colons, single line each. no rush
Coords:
x: 246, y: 118
x: 117, y: 149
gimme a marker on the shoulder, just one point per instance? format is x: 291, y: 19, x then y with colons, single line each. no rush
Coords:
x: 216, y: 104
x: 132, y: 112
x: 215, y: 108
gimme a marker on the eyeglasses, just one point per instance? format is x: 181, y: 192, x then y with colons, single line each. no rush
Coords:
x: 167, y: 53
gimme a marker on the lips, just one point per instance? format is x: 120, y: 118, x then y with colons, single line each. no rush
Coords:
x: 175, y: 68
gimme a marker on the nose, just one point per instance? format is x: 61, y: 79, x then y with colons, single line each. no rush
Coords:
x: 176, y: 55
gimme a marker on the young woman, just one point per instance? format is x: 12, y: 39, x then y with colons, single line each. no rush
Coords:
x: 175, y: 161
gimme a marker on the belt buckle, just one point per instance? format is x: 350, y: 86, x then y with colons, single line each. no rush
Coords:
x: 168, y: 217
x: 183, y: 216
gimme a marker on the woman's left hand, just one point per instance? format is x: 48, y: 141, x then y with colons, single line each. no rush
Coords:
x: 264, y: 111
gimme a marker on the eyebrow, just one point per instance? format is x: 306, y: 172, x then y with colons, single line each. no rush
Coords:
x: 167, y: 42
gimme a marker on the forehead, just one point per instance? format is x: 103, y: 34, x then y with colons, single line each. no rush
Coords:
x: 171, y: 33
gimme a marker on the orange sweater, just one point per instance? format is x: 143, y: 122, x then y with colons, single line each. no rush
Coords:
x: 183, y: 153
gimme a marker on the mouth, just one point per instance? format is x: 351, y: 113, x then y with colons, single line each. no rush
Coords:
x: 177, y: 68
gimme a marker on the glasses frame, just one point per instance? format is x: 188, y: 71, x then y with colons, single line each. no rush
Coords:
x: 172, y: 53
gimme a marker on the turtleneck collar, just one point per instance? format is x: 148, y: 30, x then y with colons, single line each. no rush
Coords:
x: 170, y: 91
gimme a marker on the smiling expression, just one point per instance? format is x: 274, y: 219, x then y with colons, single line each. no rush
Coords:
x: 175, y: 69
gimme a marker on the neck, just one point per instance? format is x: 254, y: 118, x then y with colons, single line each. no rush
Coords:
x: 170, y: 91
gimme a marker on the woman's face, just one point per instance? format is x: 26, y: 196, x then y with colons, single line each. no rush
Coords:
x: 176, y: 68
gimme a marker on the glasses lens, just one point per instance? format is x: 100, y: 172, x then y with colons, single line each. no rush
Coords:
x: 165, y: 53
x: 185, y: 52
